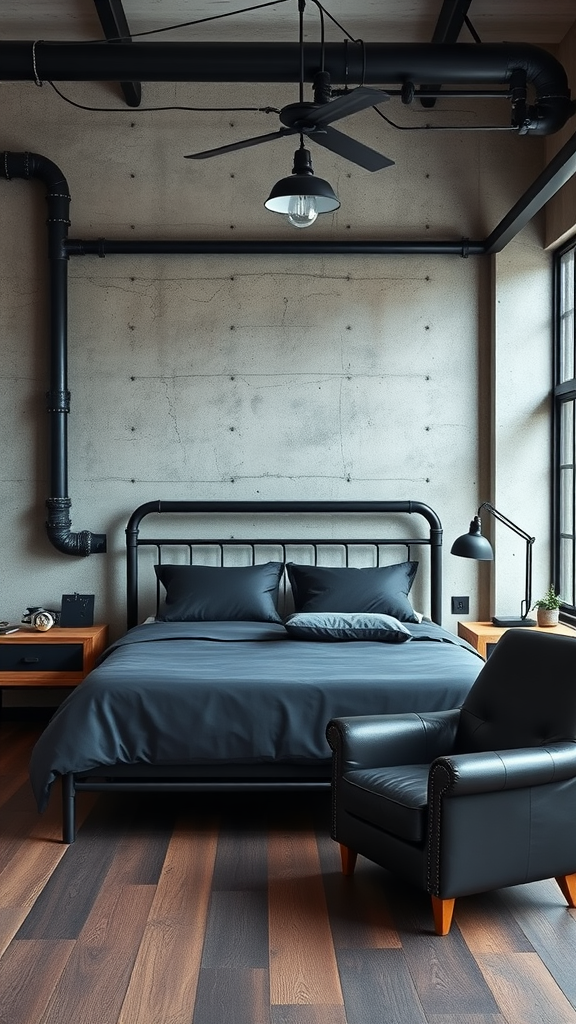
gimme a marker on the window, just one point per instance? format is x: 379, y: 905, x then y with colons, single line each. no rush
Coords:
x: 564, y: 431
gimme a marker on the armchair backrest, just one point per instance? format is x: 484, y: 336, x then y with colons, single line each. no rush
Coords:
x: 524, y: 696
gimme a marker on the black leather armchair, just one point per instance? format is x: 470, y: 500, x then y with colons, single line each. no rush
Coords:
x: 474, y: 799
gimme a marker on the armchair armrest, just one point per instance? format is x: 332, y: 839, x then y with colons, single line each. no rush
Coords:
x: 494, y: 770
x: 379, y: 741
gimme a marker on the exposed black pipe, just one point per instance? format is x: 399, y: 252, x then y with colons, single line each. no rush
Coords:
x: 371, y: 64
x: 31, y: 165
x: 158, y: 247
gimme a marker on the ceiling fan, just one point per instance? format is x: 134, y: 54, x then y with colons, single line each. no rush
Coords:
x: 313, y: 120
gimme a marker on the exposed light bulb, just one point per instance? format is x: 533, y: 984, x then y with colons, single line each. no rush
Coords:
x: 302, y: 211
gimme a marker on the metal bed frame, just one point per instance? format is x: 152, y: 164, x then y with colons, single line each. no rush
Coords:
x: 206, y: 778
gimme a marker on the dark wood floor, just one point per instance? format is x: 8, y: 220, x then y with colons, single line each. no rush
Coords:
x: 233, y: 911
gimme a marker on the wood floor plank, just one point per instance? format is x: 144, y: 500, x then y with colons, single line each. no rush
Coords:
x: 16, y: 746
x: 165, y: 976
x: 141, y: 851
x: 237, y: 930
x: 25, y: 990
x: 93, y: 984
x: 488, y: 926
x: 542, y: 913
x: 467, y: 1018
x: 359, y: 914
x: 378, y: 987
x: 302, y: 959
x: 241, y: 860
x: 9, y: 785
x: 302, y: 1014
x: 525, y: 991
x: 24, y: 877
x: 68, y: 895
x: 445, y: 973
x: 233, y: 996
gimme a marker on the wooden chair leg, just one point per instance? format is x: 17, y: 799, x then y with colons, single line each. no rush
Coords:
x: 567, y: 884
x: 442, y: 911
x: 348, y: 857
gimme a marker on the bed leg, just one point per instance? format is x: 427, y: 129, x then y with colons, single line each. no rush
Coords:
x: 68, y: 809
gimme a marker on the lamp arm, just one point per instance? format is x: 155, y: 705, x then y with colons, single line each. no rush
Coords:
x: 504, y: 519
x: 527, y: 602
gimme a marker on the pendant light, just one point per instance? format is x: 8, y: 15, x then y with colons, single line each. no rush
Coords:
x: 302, y: 196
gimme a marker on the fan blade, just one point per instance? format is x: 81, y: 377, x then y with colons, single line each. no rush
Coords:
x: 255, y: 141
x: 351, y: 150
x: 350, y: 103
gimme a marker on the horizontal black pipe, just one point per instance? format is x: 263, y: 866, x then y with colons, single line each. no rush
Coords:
x: 58, y: 524
x: 143, y: 247
x: 346, y: 63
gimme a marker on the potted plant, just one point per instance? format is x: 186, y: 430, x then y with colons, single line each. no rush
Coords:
x: 548, y: 608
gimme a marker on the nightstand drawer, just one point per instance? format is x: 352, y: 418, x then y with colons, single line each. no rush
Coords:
x: 41, y: 657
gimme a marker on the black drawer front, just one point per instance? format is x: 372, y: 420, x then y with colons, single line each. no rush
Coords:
x: 41, y: 657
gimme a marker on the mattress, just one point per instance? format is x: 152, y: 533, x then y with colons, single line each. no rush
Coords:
x: 198, y: 693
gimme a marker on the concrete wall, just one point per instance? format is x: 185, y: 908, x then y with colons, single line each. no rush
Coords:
x: 269, y: 377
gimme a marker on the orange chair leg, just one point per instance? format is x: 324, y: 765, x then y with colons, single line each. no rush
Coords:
x: 442, y: 910
x: 348, y: 859
x: 567, y: 884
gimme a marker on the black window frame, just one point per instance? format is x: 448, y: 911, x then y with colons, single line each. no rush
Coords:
x: 564, y: 395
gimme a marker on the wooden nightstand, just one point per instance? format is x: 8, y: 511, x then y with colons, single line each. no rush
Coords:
x: 62, y: 656
x: 485, y: 635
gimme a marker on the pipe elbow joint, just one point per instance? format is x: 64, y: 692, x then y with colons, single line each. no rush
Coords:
x: 61, y: 536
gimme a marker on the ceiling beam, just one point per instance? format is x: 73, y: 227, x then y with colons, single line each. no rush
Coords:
x: 561, y: 168
x: 448, y: 28
x: 450, y: 21
x: 115, y: 28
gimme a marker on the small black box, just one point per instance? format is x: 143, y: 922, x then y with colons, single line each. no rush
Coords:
x: 77, y: 610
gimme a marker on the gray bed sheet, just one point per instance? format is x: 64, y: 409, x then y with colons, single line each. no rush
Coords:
x: 218, y: 692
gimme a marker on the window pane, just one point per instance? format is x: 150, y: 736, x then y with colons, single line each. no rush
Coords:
x: 567, y: 501
x: 566, y: 580
x: 567, y: 434
x: 566, y: 325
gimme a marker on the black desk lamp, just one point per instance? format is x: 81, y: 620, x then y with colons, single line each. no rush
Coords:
x: 474, y: 545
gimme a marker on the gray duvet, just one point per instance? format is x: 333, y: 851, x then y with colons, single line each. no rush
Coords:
x: 219, y: 692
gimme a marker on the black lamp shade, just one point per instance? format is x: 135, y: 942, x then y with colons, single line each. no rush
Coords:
x: 302, y: 185
x: 302, y: 182
x: 473, y: 544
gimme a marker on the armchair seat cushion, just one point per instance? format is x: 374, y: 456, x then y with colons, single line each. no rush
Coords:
x: 392, y: 799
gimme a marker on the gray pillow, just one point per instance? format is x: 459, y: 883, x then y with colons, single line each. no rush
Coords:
x: 382, y: 589
x: 338, y: 626
x: 204, y: 593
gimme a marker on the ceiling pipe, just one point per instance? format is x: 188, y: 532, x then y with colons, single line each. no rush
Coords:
x: 31, y: 165
x: 346, y: 63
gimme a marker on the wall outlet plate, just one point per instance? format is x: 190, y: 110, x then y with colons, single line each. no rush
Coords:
x: 460, y: 606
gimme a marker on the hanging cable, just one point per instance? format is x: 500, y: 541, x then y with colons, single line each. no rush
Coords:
x: 183, y: 24
x: 143, y: 110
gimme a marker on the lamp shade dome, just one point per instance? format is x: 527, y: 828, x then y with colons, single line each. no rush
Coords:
x: 473, y: 544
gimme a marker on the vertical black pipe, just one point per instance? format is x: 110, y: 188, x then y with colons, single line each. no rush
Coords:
x: 58, y: 524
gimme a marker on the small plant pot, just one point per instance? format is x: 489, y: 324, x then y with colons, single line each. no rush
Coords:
x: 547, y: 616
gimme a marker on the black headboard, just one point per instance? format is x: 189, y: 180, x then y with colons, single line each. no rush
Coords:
x: 211, y: 510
